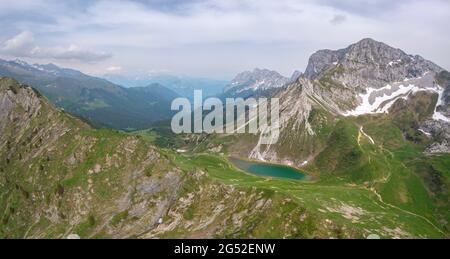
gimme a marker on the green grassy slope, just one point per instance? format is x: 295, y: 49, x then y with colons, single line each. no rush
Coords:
x: 347, y: 209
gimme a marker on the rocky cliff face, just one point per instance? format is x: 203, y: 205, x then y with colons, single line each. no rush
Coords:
x: 368, y: 64
x: 250, y: 82
x: 16, y: 105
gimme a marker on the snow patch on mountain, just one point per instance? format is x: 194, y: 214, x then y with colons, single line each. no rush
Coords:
x: 438, y: 115
x: 394, y: 62
x: 380, y: 100
x: 428, y: 134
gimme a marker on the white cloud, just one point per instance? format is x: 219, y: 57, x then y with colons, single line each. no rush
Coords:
x: 23, y: 45
x: 114, y: 69
x: 73, y: 52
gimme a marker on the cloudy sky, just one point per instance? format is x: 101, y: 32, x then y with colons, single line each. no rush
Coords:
x: 213, y: 38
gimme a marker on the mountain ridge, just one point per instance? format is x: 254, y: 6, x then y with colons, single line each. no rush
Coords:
x: 184, y: 86
x: 97, y: 100
x: 375, y: 61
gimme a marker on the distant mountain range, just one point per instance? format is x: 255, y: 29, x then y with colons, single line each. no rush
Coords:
x: 182, y: 85
x: 129, y: 103
x: 101, y: 102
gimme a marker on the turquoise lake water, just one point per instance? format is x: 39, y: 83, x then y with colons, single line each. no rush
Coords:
x: 268, y: 170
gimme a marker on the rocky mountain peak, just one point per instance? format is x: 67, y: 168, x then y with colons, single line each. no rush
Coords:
x: 368, y: 63
x: 256, y: 75
x: 295, y: 76
x: 256, y: 80
x: 370, y: 51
